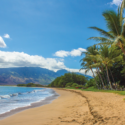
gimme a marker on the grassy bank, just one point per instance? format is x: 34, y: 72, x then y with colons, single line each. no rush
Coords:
x: 97, y: 90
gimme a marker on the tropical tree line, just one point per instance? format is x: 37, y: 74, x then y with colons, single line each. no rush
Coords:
x: 29, y: 85
x: 69, y: 80
x: 106, y: 59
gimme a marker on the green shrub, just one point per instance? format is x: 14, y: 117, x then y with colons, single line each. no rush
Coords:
x: 21, y: 85
x: 68, y: 78
x: 30, y: 85
x: 69, y: 84
x: 90, y: 83
x: 74, y: 85
x: 80, y: 86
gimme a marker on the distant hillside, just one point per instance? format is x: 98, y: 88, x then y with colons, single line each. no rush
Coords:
x: 61, y: 72
x: 14, y: 76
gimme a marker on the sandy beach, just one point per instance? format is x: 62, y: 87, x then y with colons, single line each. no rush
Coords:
x: 74, y: 107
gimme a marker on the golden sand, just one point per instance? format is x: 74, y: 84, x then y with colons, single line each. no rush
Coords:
x: 74, y: 107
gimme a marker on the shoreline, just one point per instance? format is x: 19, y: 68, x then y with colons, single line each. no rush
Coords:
x: 46, y: 101
x: 74, y: 107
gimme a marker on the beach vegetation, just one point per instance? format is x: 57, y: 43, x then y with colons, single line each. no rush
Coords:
x: 90, y: 83
x: 106, y: 59
x: 69, y: 80
x: 74, y: 85
x: 69, y: 84
x: 29, y: 85
x: 93, y: 89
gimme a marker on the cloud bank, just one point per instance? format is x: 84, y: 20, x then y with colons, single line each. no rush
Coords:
x: 116, y: 2
x: 74, y: 52
x: 21, y: 59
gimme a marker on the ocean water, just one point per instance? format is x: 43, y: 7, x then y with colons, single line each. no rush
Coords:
x: 15, y: 97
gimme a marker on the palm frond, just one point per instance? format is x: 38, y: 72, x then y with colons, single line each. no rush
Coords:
x: 86, y: 71
x: 105, y: 43
x: 103, y: 32
x: 81, y: 69
x: 100, y: 39
x: 122, y: 11
x: 113, y: 22
x: 95, y: 65
x: 123, y: 30
x: 117, y: 40
x: 83, y: 53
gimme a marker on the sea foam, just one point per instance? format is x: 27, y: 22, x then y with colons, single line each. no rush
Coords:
x: 15, y: 97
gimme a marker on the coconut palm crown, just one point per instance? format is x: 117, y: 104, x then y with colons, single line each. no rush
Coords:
x: 116, y: 28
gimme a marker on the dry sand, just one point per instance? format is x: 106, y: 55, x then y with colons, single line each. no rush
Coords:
x: 74, y: 107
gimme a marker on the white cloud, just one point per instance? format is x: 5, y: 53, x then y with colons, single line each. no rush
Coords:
x: 61, y: 53
x: 77, y: 52
x: 21, y: 59
x: 2, y: 43
x: 116, y: 2
x: 74, y: 52
x: 6, y: 36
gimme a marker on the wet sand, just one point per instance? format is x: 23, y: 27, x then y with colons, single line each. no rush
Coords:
x: 74, y: 107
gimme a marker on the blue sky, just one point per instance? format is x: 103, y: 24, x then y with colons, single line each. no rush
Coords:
x: 49, y: 33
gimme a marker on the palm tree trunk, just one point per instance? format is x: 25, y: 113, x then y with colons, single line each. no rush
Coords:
x: 107, y: 82
x: 101, y: 78
x: 113, y: 78
x: 108, y: 77
x: 92, y: 72
x: 105, y: 75
x: 94, y: 76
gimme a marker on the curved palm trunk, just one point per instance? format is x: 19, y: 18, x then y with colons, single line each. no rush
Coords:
x: 104, y: 74
x: 92, y: 72
x: 108, y: 77
x: 101, y: 78
x: 94, y: 76
x: 113, y: 78
x: 107, y: 82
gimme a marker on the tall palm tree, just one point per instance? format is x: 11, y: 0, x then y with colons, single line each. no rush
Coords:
x: 116, y: 28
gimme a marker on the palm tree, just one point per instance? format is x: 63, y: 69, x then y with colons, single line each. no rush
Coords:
x: 86, y: 64
x: 93, y: 50
x: 116, y: 28
x: 107, y: 56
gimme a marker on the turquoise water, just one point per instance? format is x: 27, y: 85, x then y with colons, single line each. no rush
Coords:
x: 15, y: 97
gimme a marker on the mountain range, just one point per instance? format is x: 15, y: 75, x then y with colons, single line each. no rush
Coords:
x: 24, y: 75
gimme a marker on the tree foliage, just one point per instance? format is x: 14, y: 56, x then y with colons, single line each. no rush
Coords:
x: 29, y: 85
x: 68, y: 80
x: 106, y: 60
